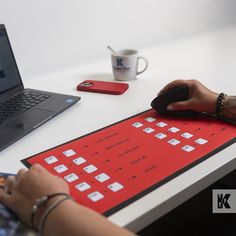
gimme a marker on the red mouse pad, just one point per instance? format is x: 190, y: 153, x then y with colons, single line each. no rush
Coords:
x: 114, y: 166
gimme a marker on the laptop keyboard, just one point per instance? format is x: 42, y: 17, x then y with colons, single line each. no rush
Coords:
x: 20, y: 103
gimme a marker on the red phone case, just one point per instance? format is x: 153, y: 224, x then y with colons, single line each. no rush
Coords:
x: 96, y: 86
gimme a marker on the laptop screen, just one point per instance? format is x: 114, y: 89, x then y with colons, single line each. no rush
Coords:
x: 9, y: 74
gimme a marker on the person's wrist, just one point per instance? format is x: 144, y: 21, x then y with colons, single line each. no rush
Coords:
x: 41, y: 210
x: 220, y: 105
x: 226, y: 105
x: 57, y: 216
x: 211, y: 103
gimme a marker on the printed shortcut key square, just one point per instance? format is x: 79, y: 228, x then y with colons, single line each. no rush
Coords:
x: 161, y: 124
x: 90, y: 169
x: 51, y: 160
x: 115, y: 186
x: 187, y: 148
x: 79, y: 160
x: 173, y: 130
x: 148, y: 130
x: 82, y: 186
x: 69, y: 153
x: 173, y: 141
x: 150, y: 119
x: 161, y: 136
x: 186, y: 135
x: 102, y: 177
x: 95, y: 196
x: 71, y: 177
x: 61, y: 168
x: 137, y: 124
x: 201, y: 141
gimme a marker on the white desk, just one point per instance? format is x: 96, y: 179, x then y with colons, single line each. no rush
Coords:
x: 210, y: 57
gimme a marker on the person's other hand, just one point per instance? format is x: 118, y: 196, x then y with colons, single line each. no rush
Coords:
x: 23, y: 189
x: 201, y: 99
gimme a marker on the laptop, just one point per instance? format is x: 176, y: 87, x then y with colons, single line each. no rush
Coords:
x: 21, y: 109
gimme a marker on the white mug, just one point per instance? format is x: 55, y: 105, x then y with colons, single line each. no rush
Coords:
x: 125, y: 64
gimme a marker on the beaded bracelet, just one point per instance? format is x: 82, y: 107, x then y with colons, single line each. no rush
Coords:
x: 39, y: 202
x: 220, y: 105
x: 49, y: 210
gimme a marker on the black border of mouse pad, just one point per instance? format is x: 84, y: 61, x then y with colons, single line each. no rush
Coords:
x: 153, y: 187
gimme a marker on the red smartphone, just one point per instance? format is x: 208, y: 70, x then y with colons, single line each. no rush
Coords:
x: 96, y: 86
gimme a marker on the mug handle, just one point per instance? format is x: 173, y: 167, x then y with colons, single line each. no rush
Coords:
x: 146, y: 64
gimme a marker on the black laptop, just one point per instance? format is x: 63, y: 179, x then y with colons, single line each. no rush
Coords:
x: 23, y: 110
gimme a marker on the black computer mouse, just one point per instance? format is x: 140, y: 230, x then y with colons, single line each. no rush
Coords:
x: 176, y: 94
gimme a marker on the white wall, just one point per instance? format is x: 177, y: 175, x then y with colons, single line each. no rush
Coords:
x: 46, y: 34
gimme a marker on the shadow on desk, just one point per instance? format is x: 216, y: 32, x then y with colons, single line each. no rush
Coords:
x: 195, y: 217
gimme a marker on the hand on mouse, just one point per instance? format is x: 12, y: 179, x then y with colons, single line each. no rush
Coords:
x: 201, y: 99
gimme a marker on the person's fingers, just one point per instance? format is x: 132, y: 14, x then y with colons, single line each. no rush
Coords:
x: 173, y: 84
x: 36, y: 168
x: 1, y: 193
x: 183, y: 105
x: 10, y: 184
x: 5, y: 198
x: 10, y: 179
x: 20, y: 173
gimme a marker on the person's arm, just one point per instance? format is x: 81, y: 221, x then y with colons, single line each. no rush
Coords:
x: 202, y: 99
x: 229, y: 110
x: 68, y: 218
x: 73, y: 219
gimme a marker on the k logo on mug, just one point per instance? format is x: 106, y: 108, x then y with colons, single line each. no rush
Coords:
x: 125, y: 64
